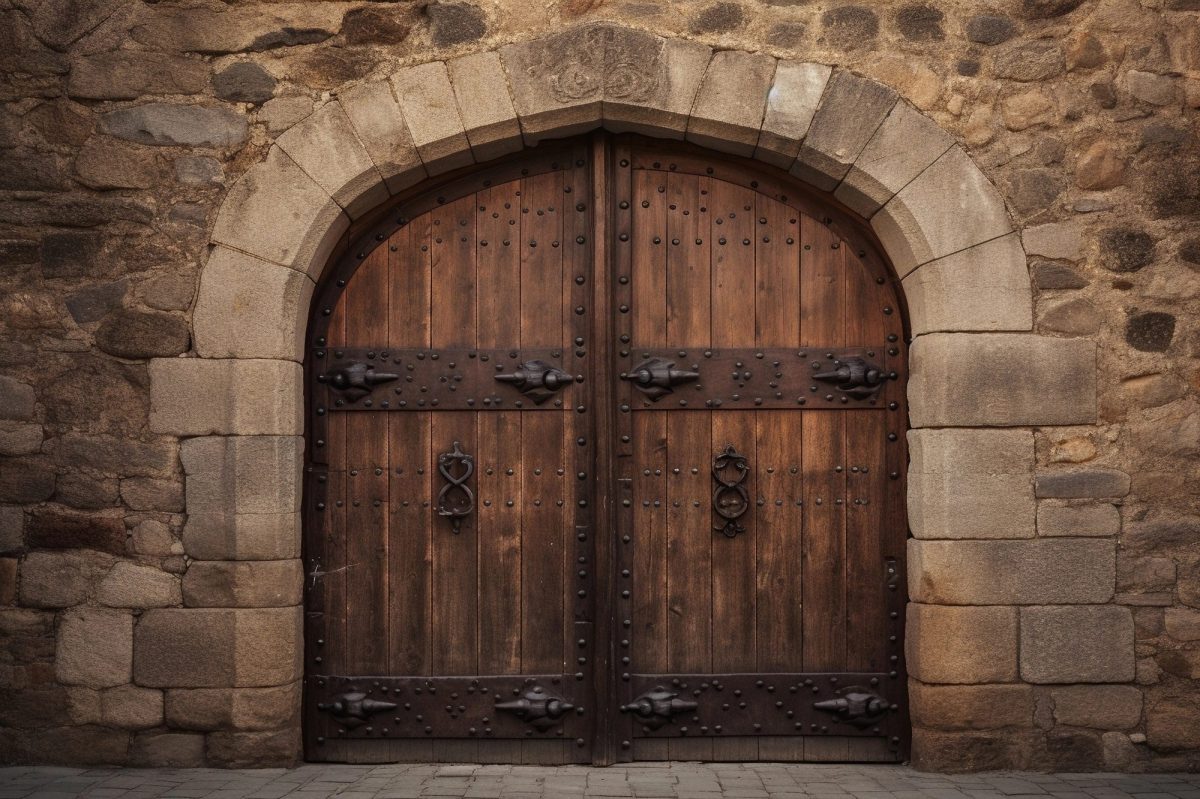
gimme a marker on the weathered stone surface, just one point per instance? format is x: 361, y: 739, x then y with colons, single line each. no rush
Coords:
x: 130, y: 74
x: 167, y: 750
x: 905, y: 144
x: 1032, y: 61
x: 136, y: 334
x: 9, y: 590
x: 1078, y: 520
x: 233, y: 708
x: 111, y: 164
x: 850, y: 112
x: 990, y: 29
x: 1075, y: 317
x: 325, y: 147
x: 850, y: 26
x: 278, y: 189
x: 200, y: 396
x: 1069, y: 644
x: 91, y: 303
x: 1151, y: 88
x: 960, y: 644
x: 95, y: 648
x: 730, y: 104
x: 16, y: 399
x: 20, y: 438
x: 67, y: 746
x: 169, y: 292
x: 427, y: 101
x: 243, y: 496
x: 12, y: 529
x: 1100, y: 167
x: 389, y: 24
x: 129, y: 585
x: 281, y: 113
x: 718, y: 18
x: 52, y: 528
x: 23, y: 481
x: 792, y: 102
x: 253, y: 584
x: 1028, y: 109
x: 970, y: 707
x: 197, y: 170
x: 558, y: 81
x: 1145, y: 574
x: 125, y: 456
x: 375, y: 114
x: 453, y: 23
x: 984, y: 288
x: 484, y: 105
x: 1108, y: 707
x: 1083, y: 483
x: 1028, y: 572
x: 70, y: 253
x: 1182, y: 624
x: 1048, y: 275
x: 152, y: 537
x: 61, y: 579
x: 249, y: 308
x: 1001, y: 380
x: 1173, y: 720
x: 237, y: 28
x: 148, y: 493
x: 174, y: 125
x: 97, y: 395
x: 918, y: 22
x: 1125, y: 249
x: 949, y: 207
x: 988, y: 471
x: 279, y: 748
x: 653, y: 96
x: 1150, y: 331
x: 244, y: 82
x: 974, y: 750
x: 210, y: 648
x: 132, y: 708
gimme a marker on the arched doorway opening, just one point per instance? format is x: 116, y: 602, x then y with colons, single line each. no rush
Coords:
x: 606, y: 461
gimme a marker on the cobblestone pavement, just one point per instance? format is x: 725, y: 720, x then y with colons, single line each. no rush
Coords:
x: 683, y: 780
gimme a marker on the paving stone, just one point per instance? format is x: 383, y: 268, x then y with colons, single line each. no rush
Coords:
x: 202, y: 396
x: 955, y: 645
x: 792, y: 103
x: 1028, y: 572
x: 851, y: 110
x: 427, y: 100
x: 325, y: 147
x: 1069, y: 644
x: 731, y: 101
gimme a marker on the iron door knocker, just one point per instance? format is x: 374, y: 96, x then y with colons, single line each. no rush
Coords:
x: 455, y: 500
x: 730, y: 499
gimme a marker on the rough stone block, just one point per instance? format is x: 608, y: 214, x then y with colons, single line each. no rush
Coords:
x: 652, y: 96
x: 487, y: 112
x: 72, y: 747
x: 130, y: 74
x: 233, y: 708
x: 1029, y: 572
x: 280, y: 748
x: 1083, y: 483
x: 280, y: 214
x: 558, y: 82
x: 850, y: 112
x: 730, y: 104
x: 249, y: 308
x: 53, y: 528
x: 1067, y: 644
x: 20, y: 438
x: 25, y: 481
x: 150, y: 493
x: 61, y: 579
x: 16, y: 399
x: 1173, y: 720
x: 961, y: 644
x: 8, y: 581
x: 1061, y: 241
x: 983, y: 288
x: 325, y: 146
x: 427, y: 101
x: 1106, y: 707
x: 904, y: 145
x: 253, y: 584
x: 1001, y: 380
x: 971, y: 483
x: 132, y: 708
x: 95, y: 648
x: 970, y: 707
x: 1078, y: 520
x: 377, y: 119
x: 167, y: 750
x: 791, y: 104
x: 949, y: 207
x: 211, y: 648
x: 129, y: 585
x: 974, y: 750
x: 202, y: 396
x: 12, y: 529
x: 1182, y: 624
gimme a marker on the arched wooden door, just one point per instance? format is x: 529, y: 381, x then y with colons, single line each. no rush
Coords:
x: 606, y: 462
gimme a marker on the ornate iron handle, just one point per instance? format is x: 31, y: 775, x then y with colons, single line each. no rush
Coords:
x: 858, y: 706
x: 730, y: 500
x: 857, y: 377
x: 353, y: 709
x: 356, y: 380
x: 537, y: 380
x: 455, y: 500
x: 536, y: 707
x: 655, y: 708
x: 657, y: 377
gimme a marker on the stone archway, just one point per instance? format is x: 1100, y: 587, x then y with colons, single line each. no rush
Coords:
x: 981, y: 380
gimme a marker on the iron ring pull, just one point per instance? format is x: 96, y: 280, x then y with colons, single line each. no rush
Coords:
x: 455, y: 500
x: 730, y: 500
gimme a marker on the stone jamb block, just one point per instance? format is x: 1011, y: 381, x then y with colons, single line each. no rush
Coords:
x: 961, y: 645
x: 1067, y: 644
x: 484, y: 104
x: 218, y: 648
x: 213, y: 709
x: 431, y: 113
x: 792, y: 103
x: 851, y: 111
x: 731, y: 102
x: 327, y: 148
x: 904, y: 145
x: 949, y: 207
x: 250, y: 308
x: 1001, y: 380
x: 228, y: 535
x: 95, y: 648
x: 278, y: 213
x: 983, y: 288
x: 234, y: 584
x: 1039, y: 571
x: 558, y: 82
x: 130, y: 585
x: 971, y: 707
x: 203, y: 396
x: 374, y: 112
x: 971, y: 483
x: 652, y: 96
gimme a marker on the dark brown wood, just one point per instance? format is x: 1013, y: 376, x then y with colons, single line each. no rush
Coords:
x: 592, y: 559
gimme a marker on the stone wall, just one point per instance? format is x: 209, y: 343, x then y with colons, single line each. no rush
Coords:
x: 1055, y: 568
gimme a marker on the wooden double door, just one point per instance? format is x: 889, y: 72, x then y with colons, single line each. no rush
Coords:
x: 606, y: 462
